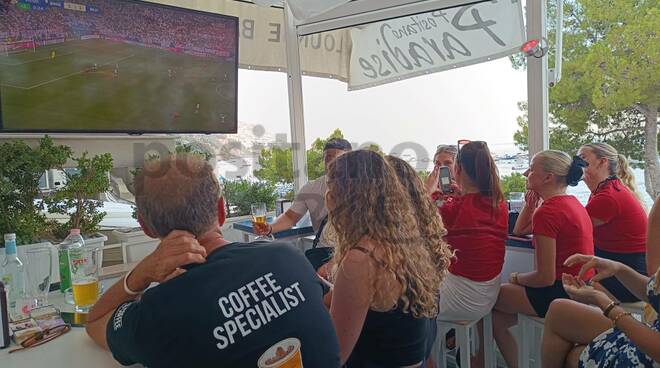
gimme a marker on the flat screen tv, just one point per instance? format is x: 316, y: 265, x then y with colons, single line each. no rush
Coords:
x: 116, y: 66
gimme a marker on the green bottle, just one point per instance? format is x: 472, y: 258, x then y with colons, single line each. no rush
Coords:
x: 74, y: 240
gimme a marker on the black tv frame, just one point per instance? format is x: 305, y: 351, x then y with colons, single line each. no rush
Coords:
x: 234, y: 129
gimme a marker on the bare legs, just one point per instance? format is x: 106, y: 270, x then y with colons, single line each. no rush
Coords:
x: 511, y: 301
x: 569, y: 323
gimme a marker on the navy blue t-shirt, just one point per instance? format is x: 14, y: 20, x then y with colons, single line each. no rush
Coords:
x: 227, y: 312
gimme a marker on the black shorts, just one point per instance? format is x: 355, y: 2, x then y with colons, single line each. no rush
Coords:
x: 636, y: 261
x: 540, y: 298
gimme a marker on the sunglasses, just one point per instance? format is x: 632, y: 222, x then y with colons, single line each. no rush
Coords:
x: 42, y: 337
x: 463, y: 142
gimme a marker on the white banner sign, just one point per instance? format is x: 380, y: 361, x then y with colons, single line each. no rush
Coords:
x: 403, y: 48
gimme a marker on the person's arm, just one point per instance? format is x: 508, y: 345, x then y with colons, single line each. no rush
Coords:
x: 431, y: 181
x: 645, y: 338
x: 350, y: 300
x: 653, y: 239
x: 544, y: 275
x: 179, y: 248
x: 631, y: 279
x: 285, y: 221
x: 523, y: 224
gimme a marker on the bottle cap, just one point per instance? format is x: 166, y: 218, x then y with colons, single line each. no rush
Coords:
x: 74, y: 232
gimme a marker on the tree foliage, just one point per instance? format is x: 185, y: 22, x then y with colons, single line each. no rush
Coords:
x: 513, y: 183
x: 610, y: 87
x: 241, y: 194
x: 21, y: 167
x: 276, y: 163
x: 76, y: 199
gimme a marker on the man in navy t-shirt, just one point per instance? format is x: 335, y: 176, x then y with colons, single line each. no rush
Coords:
x: 218, y: 304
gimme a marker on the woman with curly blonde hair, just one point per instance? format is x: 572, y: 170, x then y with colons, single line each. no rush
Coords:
x: 426, y: 213
x: 386, y: 281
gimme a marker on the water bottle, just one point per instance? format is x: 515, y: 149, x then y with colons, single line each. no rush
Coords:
x: 73, y: 241
x: 12, y: 276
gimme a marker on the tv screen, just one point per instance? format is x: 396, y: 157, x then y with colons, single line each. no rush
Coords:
x: 116, y: 66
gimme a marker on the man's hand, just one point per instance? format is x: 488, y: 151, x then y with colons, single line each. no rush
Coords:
x: 261, y: 228
x: 177, y: 249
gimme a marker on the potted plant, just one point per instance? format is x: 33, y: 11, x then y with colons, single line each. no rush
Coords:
x: 76, y: 200
x: 21, y: 209
x: 21, y: 167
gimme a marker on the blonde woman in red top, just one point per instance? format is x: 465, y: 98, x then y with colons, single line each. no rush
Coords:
x: 617, y: 213
x: 561, y: 227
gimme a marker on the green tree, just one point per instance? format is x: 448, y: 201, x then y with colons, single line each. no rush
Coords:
x: 21, y: 167
x: 91, y: 178
x: 624, y: 131
x: 610, y: 90
x: 277, y: 162
x: 513, y: 183
x: 241, y: 194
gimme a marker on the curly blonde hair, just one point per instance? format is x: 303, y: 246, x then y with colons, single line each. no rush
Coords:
x: 429, y: 221
x: 369, y: 202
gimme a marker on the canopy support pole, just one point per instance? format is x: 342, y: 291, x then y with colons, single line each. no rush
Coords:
x: 296, y: 113
x: 537, y: 81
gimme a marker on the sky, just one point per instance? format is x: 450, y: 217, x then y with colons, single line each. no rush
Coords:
x: 476, y: 102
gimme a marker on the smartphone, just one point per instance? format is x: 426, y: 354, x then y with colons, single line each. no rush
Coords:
x: 444, y: 179
x: 75, y: 319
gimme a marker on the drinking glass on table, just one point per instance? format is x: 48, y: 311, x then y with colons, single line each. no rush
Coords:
x: 259, y: 223
x: 38, y: 267
x: 84, y: 263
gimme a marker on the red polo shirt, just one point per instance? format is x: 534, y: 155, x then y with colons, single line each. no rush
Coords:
x: 564, y: 219
x: 476, y: 232
x: 624, y: 230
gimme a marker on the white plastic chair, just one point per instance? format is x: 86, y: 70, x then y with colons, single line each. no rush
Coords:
x: 463, y: 341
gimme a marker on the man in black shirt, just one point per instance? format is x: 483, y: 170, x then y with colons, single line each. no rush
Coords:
x: 218, y: 304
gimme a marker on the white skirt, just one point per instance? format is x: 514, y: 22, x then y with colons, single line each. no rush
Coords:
x: 462, y: 299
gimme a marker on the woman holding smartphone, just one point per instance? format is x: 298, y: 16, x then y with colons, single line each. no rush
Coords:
x: 477, y: 223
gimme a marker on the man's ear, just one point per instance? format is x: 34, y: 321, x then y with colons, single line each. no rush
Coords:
x: 222, y: 214
x: 147, y: 231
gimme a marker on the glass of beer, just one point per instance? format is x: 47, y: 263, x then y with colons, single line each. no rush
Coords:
x: 259, y: 223
x: 85, y: 265
x: 284, y: 354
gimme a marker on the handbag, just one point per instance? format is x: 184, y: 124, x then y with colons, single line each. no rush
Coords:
x: 319, y: 256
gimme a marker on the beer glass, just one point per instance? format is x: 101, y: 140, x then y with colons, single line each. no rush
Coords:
x: 38, y: 266
x: 84, y: 263
x: 284, y: 354
x: 259, y: 220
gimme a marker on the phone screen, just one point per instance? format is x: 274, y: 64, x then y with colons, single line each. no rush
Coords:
x: 445, y: 179
x: 75, y: 319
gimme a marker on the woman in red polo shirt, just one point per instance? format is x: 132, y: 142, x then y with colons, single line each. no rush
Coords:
x: 561, y: 227
x: 617, y: 213
x: 476, y: 223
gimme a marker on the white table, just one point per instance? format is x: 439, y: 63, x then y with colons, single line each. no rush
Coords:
x: 72, y: 350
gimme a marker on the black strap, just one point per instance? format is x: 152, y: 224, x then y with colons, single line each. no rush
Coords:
x: 317, y: 238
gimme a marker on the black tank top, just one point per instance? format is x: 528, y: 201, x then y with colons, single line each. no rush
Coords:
x: 391, y: 339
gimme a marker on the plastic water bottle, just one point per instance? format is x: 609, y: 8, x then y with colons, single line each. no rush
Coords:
x: 12, y: 276
x: 74, y: 240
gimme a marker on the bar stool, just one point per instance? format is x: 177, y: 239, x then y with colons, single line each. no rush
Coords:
x: 463, y: 341
x: 527, y: 327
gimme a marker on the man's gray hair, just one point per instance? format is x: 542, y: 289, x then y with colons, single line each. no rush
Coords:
x: 179, y: 192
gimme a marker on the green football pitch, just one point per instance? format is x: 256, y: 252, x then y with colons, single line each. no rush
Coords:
x: 112, y: 86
